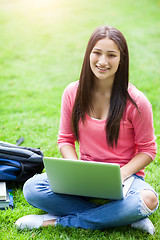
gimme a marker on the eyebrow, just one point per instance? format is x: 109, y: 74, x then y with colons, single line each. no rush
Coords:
x: 107, y: 51
x: 112, y: 51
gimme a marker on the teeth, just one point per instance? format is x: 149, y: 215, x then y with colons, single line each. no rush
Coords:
x: 103, y: 69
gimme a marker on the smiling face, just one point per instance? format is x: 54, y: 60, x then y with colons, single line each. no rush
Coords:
x: 105, y: 59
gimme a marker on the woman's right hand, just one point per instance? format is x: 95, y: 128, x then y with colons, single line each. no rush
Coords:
x: 69, y: 152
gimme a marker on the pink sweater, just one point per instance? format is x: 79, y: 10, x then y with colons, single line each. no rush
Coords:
x: 136, y: 131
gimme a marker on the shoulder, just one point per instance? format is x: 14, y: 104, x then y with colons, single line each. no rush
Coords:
x: 138, y: 96
x: 143, y: 104
x: 71, y: 88
x: 70, y: 91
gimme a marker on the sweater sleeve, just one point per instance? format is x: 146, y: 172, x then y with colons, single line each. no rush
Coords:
x: 142, y: 122
x: 66, y: 136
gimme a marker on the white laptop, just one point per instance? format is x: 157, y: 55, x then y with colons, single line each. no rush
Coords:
x: 86, y: 178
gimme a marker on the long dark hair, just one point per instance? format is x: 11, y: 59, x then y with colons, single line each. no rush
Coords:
x: 119, y: 94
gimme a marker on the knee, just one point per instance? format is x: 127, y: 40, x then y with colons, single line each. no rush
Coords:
x: 35, y: 188
x: 27, y: 188
x: 150, y: 199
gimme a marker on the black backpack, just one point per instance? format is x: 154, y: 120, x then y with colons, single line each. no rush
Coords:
x: 19, y: 163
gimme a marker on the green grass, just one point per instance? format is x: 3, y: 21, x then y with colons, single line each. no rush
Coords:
x: 42, y: 45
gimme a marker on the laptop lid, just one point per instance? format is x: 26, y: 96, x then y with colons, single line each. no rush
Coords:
x: 85, y: 178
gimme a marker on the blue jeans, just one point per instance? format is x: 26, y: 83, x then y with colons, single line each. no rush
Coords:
x: 75, y: 211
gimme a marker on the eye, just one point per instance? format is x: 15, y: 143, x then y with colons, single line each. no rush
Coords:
x: 111, y: 55
x: 96, y: 53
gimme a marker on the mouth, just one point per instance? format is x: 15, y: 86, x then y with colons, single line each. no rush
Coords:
x: 102, y: 69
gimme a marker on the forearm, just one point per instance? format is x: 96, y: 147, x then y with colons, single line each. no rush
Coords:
x: 137, y: 163
x: 68, y: 151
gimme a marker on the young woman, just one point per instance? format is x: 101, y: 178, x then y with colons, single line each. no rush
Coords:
x: 112, y: 121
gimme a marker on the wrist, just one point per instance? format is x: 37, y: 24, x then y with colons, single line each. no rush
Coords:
x: 124, y: 174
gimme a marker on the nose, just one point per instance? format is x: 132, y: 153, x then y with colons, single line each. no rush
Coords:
x: 103, y: 60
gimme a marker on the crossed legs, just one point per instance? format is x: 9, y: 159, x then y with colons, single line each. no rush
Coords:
x: 74, y: 211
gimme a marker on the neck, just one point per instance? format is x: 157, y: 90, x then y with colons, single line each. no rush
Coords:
x: 104, y: 86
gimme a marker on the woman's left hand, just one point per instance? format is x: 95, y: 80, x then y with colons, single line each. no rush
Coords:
x: 138, y: 162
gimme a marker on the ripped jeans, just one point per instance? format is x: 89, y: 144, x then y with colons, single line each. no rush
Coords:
x: 75, y: 211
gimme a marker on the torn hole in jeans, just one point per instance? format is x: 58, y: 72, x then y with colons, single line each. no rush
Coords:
x: 144, y: 209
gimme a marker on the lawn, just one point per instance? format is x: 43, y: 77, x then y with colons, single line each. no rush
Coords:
x: 42, y: 44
